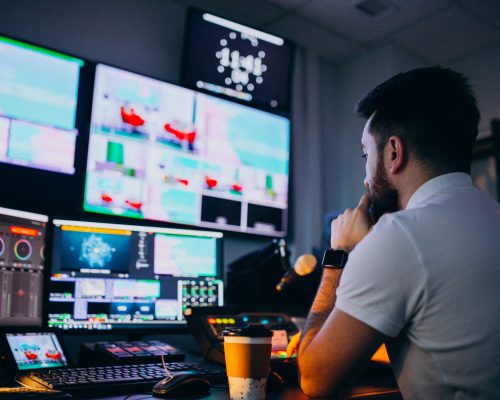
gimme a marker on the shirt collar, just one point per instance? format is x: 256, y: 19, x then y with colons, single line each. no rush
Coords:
x: 434, y: 185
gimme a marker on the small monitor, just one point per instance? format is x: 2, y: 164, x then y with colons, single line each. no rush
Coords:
x: 38, y: 101
x: 109, y: 276
x: 22, y: 259
x: 234, y: 60
x: 163, y: 152
x: 36, y: 350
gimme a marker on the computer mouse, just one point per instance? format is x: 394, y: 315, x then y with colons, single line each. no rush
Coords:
x: 182, y: 384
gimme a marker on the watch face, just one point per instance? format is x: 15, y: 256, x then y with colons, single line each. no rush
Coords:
x: 334, y: 259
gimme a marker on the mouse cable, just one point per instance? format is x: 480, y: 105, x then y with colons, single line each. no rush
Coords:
x: 169, y: 374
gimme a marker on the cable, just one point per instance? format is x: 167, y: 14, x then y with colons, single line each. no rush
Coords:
x: 169, y: 374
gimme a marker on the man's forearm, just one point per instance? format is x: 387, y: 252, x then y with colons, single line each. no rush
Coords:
x: 321, y: 308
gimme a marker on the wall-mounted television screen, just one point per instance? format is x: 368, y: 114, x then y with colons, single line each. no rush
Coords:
x: 163, y: 152
x: 231, y: 59
x: 38, y: 100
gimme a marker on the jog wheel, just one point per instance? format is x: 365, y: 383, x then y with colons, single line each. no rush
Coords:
x: 22, y: 249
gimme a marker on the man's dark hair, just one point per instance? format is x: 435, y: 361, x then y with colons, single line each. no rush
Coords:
x: 433, y: 110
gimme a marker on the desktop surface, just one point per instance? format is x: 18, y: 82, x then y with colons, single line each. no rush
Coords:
x: 380, y: 386
x: 376, y: 382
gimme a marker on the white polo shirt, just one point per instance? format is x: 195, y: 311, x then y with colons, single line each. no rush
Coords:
x: 429, y: 278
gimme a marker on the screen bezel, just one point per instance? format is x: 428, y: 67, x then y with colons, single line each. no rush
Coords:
x: 132, y: 330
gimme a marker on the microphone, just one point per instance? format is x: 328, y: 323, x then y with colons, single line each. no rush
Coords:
x: 304, y: 265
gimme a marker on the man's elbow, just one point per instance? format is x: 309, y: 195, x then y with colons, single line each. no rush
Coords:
x: 316, y: 381
x: 317, y: 387
x: 311, y: 387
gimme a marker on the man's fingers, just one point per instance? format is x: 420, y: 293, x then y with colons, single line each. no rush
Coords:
x: 364, y: 202
x: 292, y: 346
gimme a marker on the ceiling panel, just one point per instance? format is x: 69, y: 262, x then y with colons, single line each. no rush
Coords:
x: 447, y: 36
x: 249, y: 12
x: 290, y: 4
x: 309, y: 35
x: 342, y: 16
x: 488, y: 10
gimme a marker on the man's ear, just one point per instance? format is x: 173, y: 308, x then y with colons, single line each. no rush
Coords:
x: 395, y: 154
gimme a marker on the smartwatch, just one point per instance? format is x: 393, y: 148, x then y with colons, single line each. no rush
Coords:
x: 335, y: 259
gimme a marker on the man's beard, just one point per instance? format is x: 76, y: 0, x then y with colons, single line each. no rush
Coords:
x: 384, y: 197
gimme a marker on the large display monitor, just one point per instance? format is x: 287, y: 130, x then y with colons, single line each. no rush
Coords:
x: 108, y: 276
x: 38, y: 101
x: 227, y: 58
x: 22, y: 259
x: 163, y: 152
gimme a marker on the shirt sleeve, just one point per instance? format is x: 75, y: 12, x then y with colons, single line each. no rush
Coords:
x: 383, y: 282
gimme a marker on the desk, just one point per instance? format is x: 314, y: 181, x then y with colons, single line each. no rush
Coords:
x: 287, y: 394
x: 375, y: 384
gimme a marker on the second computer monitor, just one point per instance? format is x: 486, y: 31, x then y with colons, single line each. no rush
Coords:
x: 22, y: 261
x: 108, y: 276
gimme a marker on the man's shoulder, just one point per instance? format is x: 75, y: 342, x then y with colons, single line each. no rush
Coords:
x: 442, y: 223
x: 395, y: 224
x: 447, y: 207
x: 391, y: 238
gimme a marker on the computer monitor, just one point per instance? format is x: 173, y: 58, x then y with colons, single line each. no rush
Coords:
x: 38, y: 102
x: 36, y: 350
x: 111, y: 276
x: 234, y: 60
x: 163, y: 152
x: 22, y: 245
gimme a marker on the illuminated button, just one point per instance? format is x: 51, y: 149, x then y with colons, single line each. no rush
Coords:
x: 225, y: 320
x: 211, y: 320
x: 218, y: 320
x: 232, y: 321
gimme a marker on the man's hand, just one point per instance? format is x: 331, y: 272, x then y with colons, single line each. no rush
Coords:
x: 293, y: 345
x: 349, y: 228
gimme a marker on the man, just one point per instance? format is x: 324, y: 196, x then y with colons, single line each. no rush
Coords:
x: 425, y: 277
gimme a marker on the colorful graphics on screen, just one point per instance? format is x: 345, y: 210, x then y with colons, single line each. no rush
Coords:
x: 95, y: 251
x: 38, y: 99
x: 161, y: 152
x: 110, y: 275
x: 36, y: 350
x: 187, y: 256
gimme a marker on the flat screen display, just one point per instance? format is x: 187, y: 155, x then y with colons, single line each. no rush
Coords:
x: 22, y: 261
x: 163, y: 152
x: 36, y: 350
x: 228, y: 58
x: 108, y: 276
x: 38, y: 100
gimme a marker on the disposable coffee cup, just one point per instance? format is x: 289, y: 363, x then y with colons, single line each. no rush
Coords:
x: 248, y: 358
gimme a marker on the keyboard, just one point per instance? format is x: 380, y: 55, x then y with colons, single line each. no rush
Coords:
x: 118, y: 378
